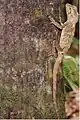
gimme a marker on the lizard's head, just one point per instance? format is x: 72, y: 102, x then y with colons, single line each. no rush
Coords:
x: 71, y: 11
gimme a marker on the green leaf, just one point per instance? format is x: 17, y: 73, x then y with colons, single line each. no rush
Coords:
x: 75, y: 41
x: 71, y: 72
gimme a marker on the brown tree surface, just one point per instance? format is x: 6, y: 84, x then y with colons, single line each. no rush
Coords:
x: 27, y: 46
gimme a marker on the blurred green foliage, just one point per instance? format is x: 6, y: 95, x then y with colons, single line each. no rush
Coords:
x: 70, y: 72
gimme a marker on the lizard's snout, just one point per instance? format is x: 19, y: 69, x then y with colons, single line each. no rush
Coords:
x: 68, y: 5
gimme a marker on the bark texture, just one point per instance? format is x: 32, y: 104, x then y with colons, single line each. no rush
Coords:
x: 27, y: 40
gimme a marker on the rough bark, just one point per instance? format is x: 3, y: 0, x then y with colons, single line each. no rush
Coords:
x: 27, y: 39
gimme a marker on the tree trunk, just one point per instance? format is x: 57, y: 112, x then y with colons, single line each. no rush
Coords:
x: 27, y: 46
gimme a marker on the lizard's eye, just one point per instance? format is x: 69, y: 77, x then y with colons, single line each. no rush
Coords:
x: 69, y: 12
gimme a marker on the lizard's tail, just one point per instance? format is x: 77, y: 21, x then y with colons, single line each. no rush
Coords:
x: 55, y: 72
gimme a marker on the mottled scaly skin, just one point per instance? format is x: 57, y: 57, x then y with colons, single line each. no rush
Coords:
x: 68, y: 28
x: 68, y: 31
x: 66, y: 37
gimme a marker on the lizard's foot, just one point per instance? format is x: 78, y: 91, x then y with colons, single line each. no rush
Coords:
x: 55, y: 23
x: 61, y: 22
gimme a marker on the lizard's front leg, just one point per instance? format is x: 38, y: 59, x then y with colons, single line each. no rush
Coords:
x: 60, y: 26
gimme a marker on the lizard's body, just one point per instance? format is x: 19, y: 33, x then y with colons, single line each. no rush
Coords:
x: 68, y: 30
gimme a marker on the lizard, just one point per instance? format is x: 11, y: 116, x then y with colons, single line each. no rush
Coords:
x: 66, y: 38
